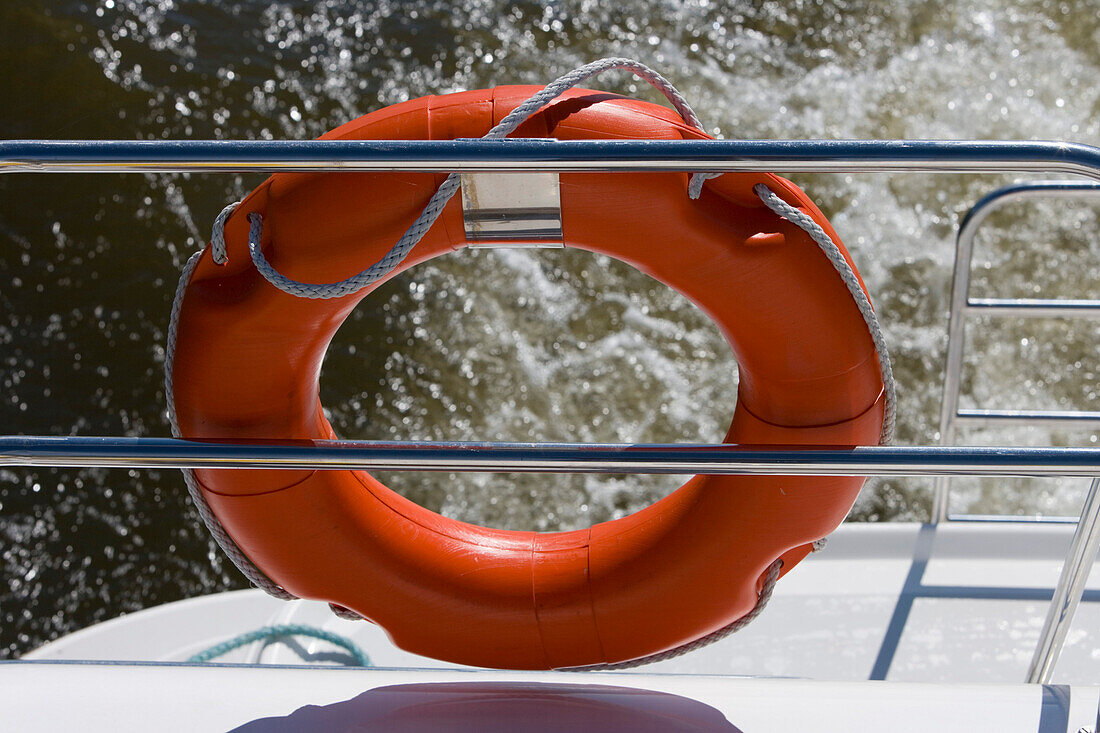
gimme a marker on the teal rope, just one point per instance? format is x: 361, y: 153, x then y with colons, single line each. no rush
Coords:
x: 274, y: 632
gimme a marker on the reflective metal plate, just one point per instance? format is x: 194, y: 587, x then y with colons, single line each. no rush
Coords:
x: 512, y: 210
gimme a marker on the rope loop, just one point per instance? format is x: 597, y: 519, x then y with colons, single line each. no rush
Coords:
x: 450, y: 186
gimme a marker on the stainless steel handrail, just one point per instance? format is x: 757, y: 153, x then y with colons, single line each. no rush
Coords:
x: 962, y: 304
x: 1065, y: 418
x: 1038, y: 307
x: 784, y: 156
x: 673, y: 458
x: 1013, y: 519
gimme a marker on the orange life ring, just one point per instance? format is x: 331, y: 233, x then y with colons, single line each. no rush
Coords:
x: 248, y: 358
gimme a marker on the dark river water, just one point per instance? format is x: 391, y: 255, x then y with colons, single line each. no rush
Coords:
x: 506, y: 345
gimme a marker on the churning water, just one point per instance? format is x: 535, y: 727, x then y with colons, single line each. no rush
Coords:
x: 506, y: 345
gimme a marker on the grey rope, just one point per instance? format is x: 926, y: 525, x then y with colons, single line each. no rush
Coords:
x: 229, y: 547
x: 217, y: 236
x: 417, y: 231
x: 450, y: 186
x: 345, y: 613
x: 828, y: 246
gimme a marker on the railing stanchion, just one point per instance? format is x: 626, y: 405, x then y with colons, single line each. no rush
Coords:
x: 1071, y: 586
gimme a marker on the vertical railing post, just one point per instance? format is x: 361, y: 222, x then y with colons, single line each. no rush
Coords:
x: 1071, y: 586
x: 956, y: 337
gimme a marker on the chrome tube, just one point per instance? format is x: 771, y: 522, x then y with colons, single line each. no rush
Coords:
x: 1071, y: 585
x: 784, y: 156
x: 1081, y: 419
x: 112, y: 452
x: 1013, y: 518
x: 1037, y: 307
x: 961, y: 303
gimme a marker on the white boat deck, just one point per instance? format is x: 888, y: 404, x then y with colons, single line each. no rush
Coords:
x: 955, y: 602
x: 960, y: 603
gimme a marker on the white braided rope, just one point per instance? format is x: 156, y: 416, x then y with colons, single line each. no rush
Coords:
x: 221, y: 536
x: 806, y: 223
x: 417, y: 231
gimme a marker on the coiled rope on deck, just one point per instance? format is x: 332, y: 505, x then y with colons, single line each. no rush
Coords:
x: 267, y: 633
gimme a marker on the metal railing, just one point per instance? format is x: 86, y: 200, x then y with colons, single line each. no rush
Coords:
x: 649, y: 458
x: 805, y: 156
x: 560, y: 156
x: 962, y: 305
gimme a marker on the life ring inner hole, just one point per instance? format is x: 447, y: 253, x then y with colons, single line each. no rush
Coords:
x: 554, y: 345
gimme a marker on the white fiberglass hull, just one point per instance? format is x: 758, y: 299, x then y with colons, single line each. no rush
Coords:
x: 98, y: 696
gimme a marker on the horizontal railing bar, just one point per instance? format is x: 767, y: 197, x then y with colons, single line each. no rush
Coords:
x: 1005, y: 518
x: 1023, y: 191
x: 787, y: 156
x: 1046, y: 418
x: 113, y: 452
x: 1036, y: 307
x: 994, y: 593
